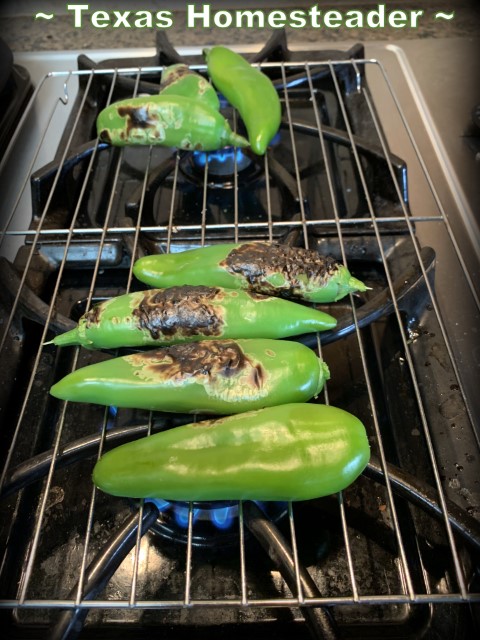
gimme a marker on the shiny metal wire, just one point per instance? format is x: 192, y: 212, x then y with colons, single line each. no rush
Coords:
x: 237, y: 227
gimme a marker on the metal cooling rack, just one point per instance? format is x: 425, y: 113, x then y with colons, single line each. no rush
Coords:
x: 458, y: 589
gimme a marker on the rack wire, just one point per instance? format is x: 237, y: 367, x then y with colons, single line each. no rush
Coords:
x: 407, y: 591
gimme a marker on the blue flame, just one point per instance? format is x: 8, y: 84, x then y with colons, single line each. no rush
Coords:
x: 181, y: 515
x: 221, y: 156
x: 111, y: 417
x: 276, y: 139
x: 162, y: 505
x: 223, y: 517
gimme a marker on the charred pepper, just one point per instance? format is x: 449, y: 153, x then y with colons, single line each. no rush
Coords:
x: 268, y: 268
x: 168, y: 120
x: 250, y: 91
x: 214, y: 376
x: 180, y: 80
x: 190, y: 313
x: 288, y: 452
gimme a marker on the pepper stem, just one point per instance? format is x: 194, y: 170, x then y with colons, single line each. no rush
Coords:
x: 65, y: 339
x: 357, y: 285
x: 236, y: 140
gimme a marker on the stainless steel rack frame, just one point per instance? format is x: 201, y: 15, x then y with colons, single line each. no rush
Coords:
x: 425, y: 225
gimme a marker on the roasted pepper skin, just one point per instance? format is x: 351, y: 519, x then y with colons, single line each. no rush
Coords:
x: 289, y: 452
x: 216, y: 377
x: 167, y: 120
x: 186, y: 314
x: 267, y: 268
x: 180, y: 80
x: 250, y: 91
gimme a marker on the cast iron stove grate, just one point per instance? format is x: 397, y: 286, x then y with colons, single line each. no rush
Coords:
x: 374, y: 555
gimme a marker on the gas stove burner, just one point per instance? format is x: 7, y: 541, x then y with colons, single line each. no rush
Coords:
x: 163, y: 188
x: 214, y: 524
x: 221, y: 167
x: 221, y: 163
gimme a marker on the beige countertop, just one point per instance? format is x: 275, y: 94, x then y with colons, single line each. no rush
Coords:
x: 24, y: 33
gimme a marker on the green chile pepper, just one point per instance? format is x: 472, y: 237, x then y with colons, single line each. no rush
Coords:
x: 186, y: 314
x: 288, y: 452
x: 263, y: 267
x: 215, y: 376
x: 168, y: 120
x: 250, y: 91
x: 179, y: 80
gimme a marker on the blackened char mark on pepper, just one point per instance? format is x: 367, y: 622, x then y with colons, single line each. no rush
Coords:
x: 182, y: 71
x: 94, y: 316
x: 181, y: 311
x: 137, y: 117
x: 215, y: 359
x: 257, y: 261
x: 105, y: 136
x: 175, y: 75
